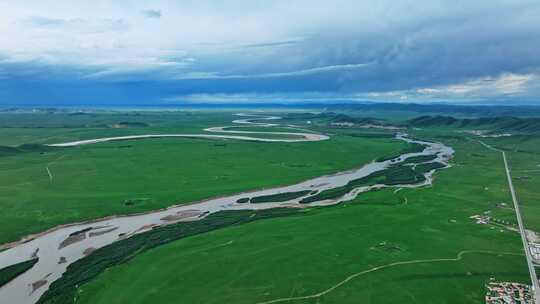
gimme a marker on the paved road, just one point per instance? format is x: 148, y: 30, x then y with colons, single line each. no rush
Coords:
x: 532, y: 271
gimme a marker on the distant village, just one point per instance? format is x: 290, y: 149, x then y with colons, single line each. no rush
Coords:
x: 508, y: 293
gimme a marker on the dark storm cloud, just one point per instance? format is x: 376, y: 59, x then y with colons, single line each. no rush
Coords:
x: 485, y: 49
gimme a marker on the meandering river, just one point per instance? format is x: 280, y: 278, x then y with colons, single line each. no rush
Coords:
x: 301, y: 136
x: 61, y: 246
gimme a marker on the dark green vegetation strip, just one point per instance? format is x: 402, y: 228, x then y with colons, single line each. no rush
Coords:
x: 419, y: 159
x: 371, y: 135
x: 403, y: 175
x: 394, y: 175
x: 64, y: 289
x: 25, y: 148
x: 132, y: 124
x: 11, y: 272
x: 412, y: 148
x: 327, y: 194
x: 80, y: 231
x: 280, y: 197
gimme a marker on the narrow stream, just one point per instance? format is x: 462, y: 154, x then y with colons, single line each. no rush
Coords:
x: 59, y: 247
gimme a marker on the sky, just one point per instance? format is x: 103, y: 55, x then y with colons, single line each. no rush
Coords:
x: 127, y: 52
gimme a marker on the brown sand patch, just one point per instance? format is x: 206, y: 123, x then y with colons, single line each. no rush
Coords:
x: 181, y: 215
x: 72, y: 239
x: 147, y: 227
x: 37, y: 284
x: 40, y: 283
x: 97, y: 233
x: 89, y: 250
x: 34, y: 254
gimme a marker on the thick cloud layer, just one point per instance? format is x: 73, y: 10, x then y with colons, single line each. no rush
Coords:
x: 133, y: 52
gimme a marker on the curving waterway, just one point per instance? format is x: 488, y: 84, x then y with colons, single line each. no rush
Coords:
x: 59, y: 247
x: 301, y: 136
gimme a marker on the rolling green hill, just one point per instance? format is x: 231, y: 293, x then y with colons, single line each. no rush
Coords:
x: 494, y: 124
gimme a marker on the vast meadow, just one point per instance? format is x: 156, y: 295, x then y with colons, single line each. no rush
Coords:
x: 331, y: 255
x: 406, y: 245
x: 269, y: 152
x: 43, y: 187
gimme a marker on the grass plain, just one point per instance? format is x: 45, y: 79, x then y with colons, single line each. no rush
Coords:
x: 325, y: 246
x: 39, y: 190
x: 323, y: 255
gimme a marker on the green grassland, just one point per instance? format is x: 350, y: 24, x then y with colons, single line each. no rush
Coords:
x: 311, y: 253
x: 133, y: 176
x: 264, y: 129
x: 55, y: 127
x: 523, y: 154
x: 411, y: 246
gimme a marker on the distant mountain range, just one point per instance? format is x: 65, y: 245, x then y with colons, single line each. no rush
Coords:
x: 456, y: 109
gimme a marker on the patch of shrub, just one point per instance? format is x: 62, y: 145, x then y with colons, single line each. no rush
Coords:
x: 11, y: 272
x: 280, y: 197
